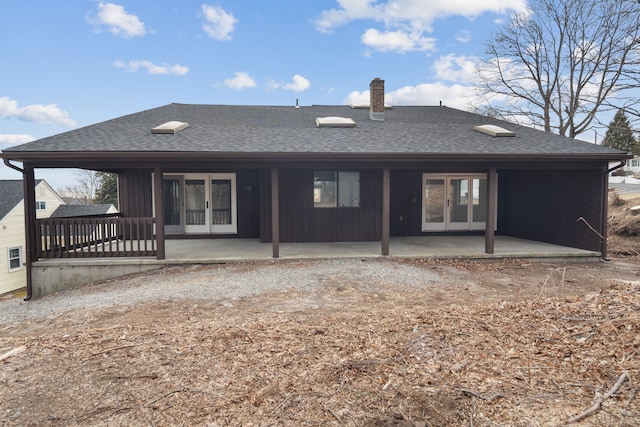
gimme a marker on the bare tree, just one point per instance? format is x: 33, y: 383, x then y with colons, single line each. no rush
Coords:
x: 84, y: 189
x: 562, y: 63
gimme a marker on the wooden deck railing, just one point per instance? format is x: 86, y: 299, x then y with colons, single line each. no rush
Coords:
x: 96, y: 236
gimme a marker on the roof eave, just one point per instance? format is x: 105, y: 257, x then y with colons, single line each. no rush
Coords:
x: 53, y: 157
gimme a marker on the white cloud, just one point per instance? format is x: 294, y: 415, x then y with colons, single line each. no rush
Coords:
x: 9, y: 140
x: 298, y: 84
x: 408, y: 18
x: 456, y: 68
x: 456, y: 96
x: 119, y: 22
x: 36, y: 113
x: 220, y: 24
x: 419, y: 14
x: 398, y: 41
x: 134, y: 66
x: 464, y: 36
x: 241, y: 80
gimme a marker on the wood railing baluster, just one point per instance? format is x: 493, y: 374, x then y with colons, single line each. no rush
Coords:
x: 95, y: 236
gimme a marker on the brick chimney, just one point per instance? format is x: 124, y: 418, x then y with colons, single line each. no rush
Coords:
x: 376, y: 101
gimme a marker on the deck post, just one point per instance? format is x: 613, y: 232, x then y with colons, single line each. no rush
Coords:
x: 492, y: 195
x: 386, y: 206
x: 29, y: 190
x: 275, y: 213
x: 159, y: 216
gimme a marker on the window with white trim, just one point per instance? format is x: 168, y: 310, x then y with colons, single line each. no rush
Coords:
x: 336, y: 189
x: 41, y: 206
x: 15, y: 258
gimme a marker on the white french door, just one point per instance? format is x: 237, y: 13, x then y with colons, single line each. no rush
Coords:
x: 454, y: 202
x: 210, y: 204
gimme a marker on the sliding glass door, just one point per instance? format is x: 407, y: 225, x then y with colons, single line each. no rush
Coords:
x: 454, y: 202
x: 172, y: 204
x: 209, y: 205
x: 195, y: 201
x: 223, y: 203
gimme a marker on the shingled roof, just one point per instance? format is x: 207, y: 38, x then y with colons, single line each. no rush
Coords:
x: 65, y: 211
x: 11, y: 193
x: 216, y: 130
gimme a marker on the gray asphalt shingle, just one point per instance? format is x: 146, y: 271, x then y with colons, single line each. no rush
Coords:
x: 284, y: 129
x: 11, y: 193
x: 64, y: 211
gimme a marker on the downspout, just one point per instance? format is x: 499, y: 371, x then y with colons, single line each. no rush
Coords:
x: 616, y: 167
x: 605, y: 208
x: 27, y: 243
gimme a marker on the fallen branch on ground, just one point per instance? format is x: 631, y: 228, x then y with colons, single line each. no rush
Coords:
x: 479, y: 396
x: 180, y: 390
x: 599, y: 400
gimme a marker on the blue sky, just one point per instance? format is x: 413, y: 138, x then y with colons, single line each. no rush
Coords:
x: 68, y: 64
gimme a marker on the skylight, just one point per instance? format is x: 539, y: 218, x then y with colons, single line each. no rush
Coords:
x: 171, y: 127
x: 335, y: 122
x: 494, y: 130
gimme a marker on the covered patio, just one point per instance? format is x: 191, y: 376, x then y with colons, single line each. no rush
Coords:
x: 429, y: 247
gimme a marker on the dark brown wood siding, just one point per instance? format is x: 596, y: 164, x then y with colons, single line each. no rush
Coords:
x: 135, y: 186
x: 265, y: 206
x: 406, y: 203
x: 135, y: 192
x: 301, y: 222
x: 248, y: 190
x: 546, y: 205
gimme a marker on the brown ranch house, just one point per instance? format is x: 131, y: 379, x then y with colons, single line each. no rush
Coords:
x: 278, y: 174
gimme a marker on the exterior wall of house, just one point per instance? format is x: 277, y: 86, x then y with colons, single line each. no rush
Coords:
x: 248, y: 188
x: 533, y: 203
x: 633, y: 166
x: 136, y: 197
x: 300, y: 221
x: 547, y: 206
x: 135, y: 192
x: 47, y: 195
x: 12, y: 235
x: 406, y: 203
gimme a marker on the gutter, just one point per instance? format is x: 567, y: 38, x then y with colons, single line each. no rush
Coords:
x: 27, y: 243
x: 14, y: 167
x: 605, y: 203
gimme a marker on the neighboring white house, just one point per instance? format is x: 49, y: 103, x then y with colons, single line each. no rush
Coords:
x: 633, y: 165
x: 12, y: 241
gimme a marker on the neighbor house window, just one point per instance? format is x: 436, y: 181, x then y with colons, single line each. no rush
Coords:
x: 15, y: 258
x: 41, y: 206
x: 336, y: 189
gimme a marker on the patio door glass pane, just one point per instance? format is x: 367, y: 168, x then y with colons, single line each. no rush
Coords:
x: 479, y: 199
x: 171, y: 201
x: 459, y: 200
x: 194, y: 194
x: 434, y: 201
x: 221, y: 201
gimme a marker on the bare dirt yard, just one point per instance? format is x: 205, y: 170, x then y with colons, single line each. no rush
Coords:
x: 331, y: 343
x: 508, y: 343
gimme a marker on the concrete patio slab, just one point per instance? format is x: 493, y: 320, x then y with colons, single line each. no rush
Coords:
x: 222, y: 250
